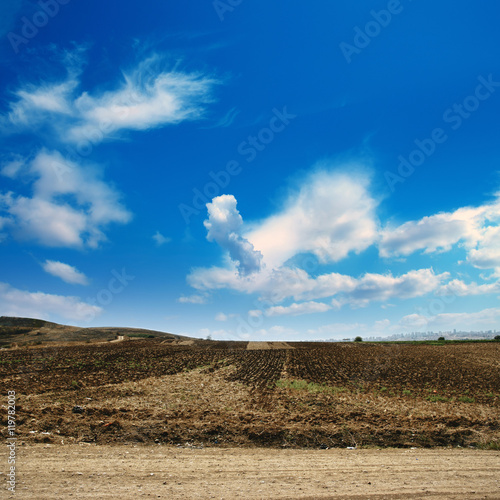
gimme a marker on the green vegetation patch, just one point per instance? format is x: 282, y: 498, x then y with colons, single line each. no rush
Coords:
x: 437, y: 399
x: 466, y: 399
x: 303, y: 385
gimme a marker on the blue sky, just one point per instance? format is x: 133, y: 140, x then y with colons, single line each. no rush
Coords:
x: 251, y: 170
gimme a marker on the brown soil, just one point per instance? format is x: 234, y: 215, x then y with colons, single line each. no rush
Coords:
x: 130, y: 472
x: 220, y: 394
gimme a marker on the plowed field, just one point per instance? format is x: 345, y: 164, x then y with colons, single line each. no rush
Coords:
x: 219, y: 393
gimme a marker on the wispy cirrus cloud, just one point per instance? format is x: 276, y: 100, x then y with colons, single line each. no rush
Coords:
x: 150, y: 95
x: 39, y: 105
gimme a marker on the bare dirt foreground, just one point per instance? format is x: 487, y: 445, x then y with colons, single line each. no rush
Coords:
x: 136, y: 471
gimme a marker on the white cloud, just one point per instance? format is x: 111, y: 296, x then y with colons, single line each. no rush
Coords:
x: 298, y: 309
x: 12, y: 168
x: 70, y: 205
x: 67, y: 273
x: 277, y: 331
x: 192, y: 299
x: 414, y: 322
x: 48, y: 103
x: 216, y: 334
x: 331, y: 215
x: 148, y: 96
x: 224, y: 317
x: 255, y: 313
x: 338, y: 330
x: 160, y: 239
x: 275, y: 285
x: 486, y: 319
x: 382, y: 324
x: 385, y: 287
x: 434, y: 233
x: 487, y: 253
x: 461, y: 289
x: 286, y: 282
x: 223, y: 226
x: 14, y: 302
x: 476, y: 228
x: 48, y: 223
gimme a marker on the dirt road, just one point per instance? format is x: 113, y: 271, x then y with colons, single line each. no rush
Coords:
x: 265, y: 346
x: 129, y: 472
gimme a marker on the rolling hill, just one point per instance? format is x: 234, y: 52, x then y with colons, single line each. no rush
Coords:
x: 31, y: 331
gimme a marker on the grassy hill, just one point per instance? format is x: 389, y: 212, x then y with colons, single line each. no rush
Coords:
x: 31, y: 331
